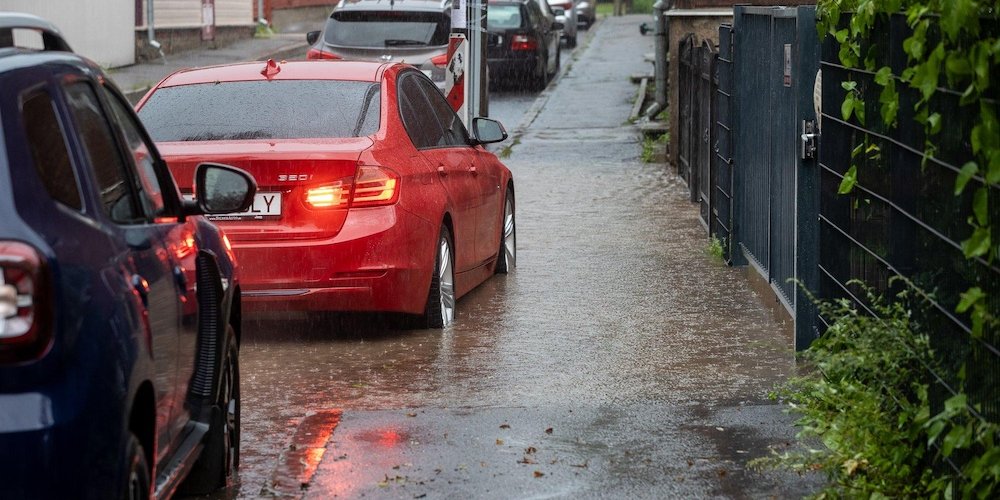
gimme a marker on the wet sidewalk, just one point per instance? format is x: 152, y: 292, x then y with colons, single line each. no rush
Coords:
x: 619, y: 360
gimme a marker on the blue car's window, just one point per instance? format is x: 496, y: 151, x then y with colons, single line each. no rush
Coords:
x: 48, y: 149
x: 283, y: 109
x: 102, y: 153
x: 150, y: 193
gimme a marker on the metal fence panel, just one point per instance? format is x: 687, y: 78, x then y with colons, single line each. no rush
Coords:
x: 903, y: 219
x: 705, y: 92
x: 685, y: 89
x: 722, y: 138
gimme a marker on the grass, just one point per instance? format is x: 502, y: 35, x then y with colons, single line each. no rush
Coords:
x: 651, y: 146
x: 715, y: 248
x: 638, y: 7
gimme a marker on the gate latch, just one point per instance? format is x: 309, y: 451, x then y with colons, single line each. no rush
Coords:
x: 809, y: 137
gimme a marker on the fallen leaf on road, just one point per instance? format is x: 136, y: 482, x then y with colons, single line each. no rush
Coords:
x: 548, y: 431
x: 526, y: 460
x: 499, y: 442
x: 411, y: 414
x: 529, y: 450
x: 539, y: 473
x: 504, y: 426
x: 582, y: 466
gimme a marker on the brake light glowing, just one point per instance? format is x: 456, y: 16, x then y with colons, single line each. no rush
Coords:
x: 375, y: 186
x: 523, y: 42
x: 24, y: 312
x: 440, y: 60
x: 319, y: 54
x: 328, y: 196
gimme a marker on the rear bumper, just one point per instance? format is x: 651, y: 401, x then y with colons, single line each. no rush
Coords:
x: 381, y: 260
x: 512, y: 65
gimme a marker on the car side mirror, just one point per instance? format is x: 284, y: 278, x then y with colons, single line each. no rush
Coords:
x: 221, y: 189
x: 557, y: 26
x: 487, y: 131
x: 312, y: 37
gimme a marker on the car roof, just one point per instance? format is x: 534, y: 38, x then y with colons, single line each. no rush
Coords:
x: 402, y: 5
x: 365, y: 71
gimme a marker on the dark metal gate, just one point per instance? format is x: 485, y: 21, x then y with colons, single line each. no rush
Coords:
x: 721, y: 223
x: 774, y: 67
x: 704, y: 92
x: 685, y: 87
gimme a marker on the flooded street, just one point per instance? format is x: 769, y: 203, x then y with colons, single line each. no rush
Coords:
x: 619, y: 359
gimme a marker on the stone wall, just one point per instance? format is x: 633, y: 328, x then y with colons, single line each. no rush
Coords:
x: 173, y: 40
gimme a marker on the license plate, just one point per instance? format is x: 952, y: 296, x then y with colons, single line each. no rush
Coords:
x: 264, y: 206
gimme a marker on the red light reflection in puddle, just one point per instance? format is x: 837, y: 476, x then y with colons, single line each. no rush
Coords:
x: 302, y: 456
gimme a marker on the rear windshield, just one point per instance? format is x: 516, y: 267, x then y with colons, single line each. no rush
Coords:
x: 387, y: 29
x: 283, y: 109
x: 499, y: 17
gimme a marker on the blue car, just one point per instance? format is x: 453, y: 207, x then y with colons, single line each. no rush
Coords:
x: 119, y: 301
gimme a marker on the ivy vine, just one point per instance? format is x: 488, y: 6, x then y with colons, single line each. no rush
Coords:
x: 948, y: 47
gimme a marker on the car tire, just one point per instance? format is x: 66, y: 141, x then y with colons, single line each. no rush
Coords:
x: 219, y: 460
x: 440, y: 308
x: 138, y: 485
x: 541, y: 79
x: 555, y: 71
x: 507, y: 255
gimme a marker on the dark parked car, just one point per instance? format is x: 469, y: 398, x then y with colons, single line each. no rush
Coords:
x: 523, y: 42
x: 119, y: 302
x: 411, y: 31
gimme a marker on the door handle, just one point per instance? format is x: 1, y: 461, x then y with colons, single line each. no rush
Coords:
x: 141, y: 286
x: 441, y: 170
x: 473, y: 170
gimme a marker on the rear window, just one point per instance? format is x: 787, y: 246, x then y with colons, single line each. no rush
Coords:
x: 292, y: 109
x: 387, y: 29
x: 499, y: 17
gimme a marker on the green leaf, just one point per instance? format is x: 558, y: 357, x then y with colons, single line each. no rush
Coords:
x: 847, y: 107
x: 968, y: 170
x: 849, y: 85
x: 978, y: 244
x: 859, y: 110
x: 850, y: 179
x: 857, y: 150
x: 969, y: 298
x: 955, y: 403
x: 980, y: 203
x: 934, y: 121
x: 958, y: 65
x: 883, y: 76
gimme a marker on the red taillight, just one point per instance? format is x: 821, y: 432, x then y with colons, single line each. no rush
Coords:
x: 523, y: 42
x: 375, y: 186
x: 319, y: 54
x: 333, y: 195
x: 24, y: 311
x: 440, y: 60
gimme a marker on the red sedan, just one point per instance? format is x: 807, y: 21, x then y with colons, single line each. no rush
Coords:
x: 372, y: 195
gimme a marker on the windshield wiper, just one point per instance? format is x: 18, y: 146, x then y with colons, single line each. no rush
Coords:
x: 397, y: 42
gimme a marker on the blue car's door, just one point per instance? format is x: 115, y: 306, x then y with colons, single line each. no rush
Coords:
x: 128, y: 215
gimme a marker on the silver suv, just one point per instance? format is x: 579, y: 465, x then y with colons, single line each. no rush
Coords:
x: 411, y: 31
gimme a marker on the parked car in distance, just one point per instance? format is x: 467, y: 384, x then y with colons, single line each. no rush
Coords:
x: 411, y: 31
x: 373, y: 196
x: 586, y: 12
x: 566, y: 14
x: 523, y: 42
x: 119, y: 302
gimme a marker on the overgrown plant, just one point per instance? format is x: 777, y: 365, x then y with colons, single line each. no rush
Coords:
x: 865, y: 416
x: 866, y: 407
x: 948, y: 47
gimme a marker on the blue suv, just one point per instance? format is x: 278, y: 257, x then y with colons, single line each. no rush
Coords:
x: 119, y: 302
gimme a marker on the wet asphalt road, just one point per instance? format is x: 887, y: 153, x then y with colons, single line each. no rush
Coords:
x: 619, y: 359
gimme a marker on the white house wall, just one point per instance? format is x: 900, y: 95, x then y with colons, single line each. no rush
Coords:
x: 187, y: 13
x: 102, y: 30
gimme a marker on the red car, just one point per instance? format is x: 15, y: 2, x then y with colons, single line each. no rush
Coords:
x: 372, y: 195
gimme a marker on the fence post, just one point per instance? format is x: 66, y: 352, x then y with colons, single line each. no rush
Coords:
x: 807, y: 183
x: 739, y: 71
